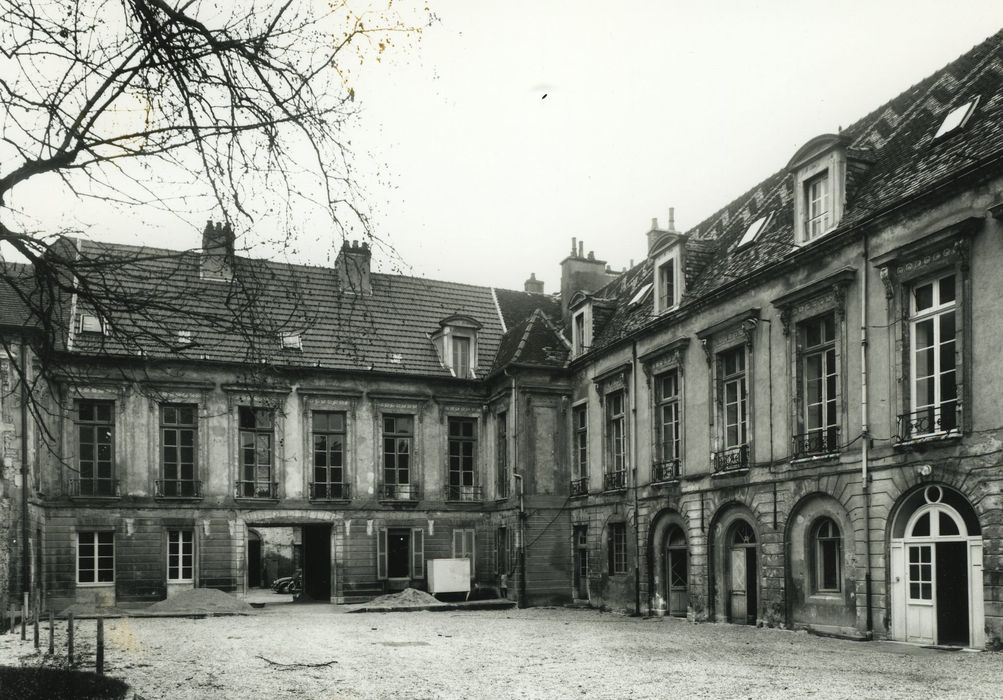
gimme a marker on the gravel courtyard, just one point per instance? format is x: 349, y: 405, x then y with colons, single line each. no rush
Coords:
x: 535, y: 653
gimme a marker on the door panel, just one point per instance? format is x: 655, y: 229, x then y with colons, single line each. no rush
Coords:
x: 920, y: 610
x: 676, y: 581
x: 737, y: 582
x: 952, y: 593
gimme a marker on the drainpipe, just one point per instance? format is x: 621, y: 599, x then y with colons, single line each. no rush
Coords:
x: 25, y: 552
x: 521, y: 553
x: 865, y: 439
x: 633, y: 454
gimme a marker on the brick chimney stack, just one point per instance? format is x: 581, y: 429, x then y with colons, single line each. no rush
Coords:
x: 353, y: 268
x: 533, y: 285
x: 218, y: 242
x: 582, y: 273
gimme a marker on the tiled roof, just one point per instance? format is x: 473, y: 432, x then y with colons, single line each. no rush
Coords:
x: 904, y: 161
x: 518, y: 306
x: 16, y: 282
x: 386, y: 331
x: 533, y: 341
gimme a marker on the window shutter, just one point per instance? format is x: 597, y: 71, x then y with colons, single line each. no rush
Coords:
x: 417, y: 553
x: 469, y: 549
x: 381, y: 554
x: 609, y: 551
x: 457, y: 544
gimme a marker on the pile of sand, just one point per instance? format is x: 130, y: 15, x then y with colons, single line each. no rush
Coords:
x: 408, y: 598
x: 201, y: 600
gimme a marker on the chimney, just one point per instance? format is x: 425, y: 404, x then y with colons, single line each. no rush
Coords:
x: 656, y: 234
x: 218, y: 242
x: 580, y: 273
x: 533, y: 285
x: 672, y: 220
x: 352, y: 268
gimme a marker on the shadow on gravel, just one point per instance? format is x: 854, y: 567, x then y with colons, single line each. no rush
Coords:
x: 49, y: 683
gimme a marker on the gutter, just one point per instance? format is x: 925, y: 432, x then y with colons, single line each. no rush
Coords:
x: 25, y: 552
x: 633, y: 471
x: 521, y: 532
x: 865, y: 439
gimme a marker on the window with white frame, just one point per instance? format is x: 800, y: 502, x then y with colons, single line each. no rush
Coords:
x: 398, y: 448
x: 180, y: 556
x: 580, y: 417
x: 667, y: 297
x: 617, y: 549
x: 178, y: 451
x: 826, y: 546
x: 616, y: 443
x: 580, y: 338
x: 818, y: 387
x: 668, y: 425
x: 96, y: 557
x: 461, y: 356
x: 933, y: 360
x: 816, y: 205
x: 462, y: 452
x: 257, y: 435
x: 464, y: 546
x: 733, y: 398
x: 328, y: 432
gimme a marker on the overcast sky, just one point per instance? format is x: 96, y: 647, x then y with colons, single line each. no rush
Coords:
x: 510, y: 127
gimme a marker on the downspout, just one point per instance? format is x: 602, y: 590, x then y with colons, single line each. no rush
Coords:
x: 633, y: 455
x: 25, y: 552
x: 865, y: 439
x: 521, y: 532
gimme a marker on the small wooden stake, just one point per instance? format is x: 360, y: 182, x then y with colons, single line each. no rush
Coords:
x: 24, y: 618
x: 52, y: 633
x: 100, y: 654
x: 69, y: 638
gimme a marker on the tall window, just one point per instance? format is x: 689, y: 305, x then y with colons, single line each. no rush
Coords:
x: 668, y: 424
x: 461, y: 356
x: 398, y: 441
x: 734, y: 399
x: 667, y: 284
x: 462, y: 444
x: 617, y: 548
x: 95, y: 557
x: 819, y: 376
x: 616, y: 456
x: 464, y: 546
x: 933, y: 333
x: 502, y: 544
x: 826, y: 542
x: 581, y: 447
x: 501, y: 453
x: 816, y: 198
x: 257, y: 431
x: 579, y: 336
x: 178, y: 465
x: 328, y: 455
x: 180, y: 555
x: 96, y: 448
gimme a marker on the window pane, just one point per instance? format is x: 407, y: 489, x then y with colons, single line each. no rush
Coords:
x: 947, y: 289
x: 923, y: 296
x: 947, y: 526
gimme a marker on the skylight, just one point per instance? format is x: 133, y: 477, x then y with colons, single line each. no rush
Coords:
x: 640, y: 294
x: 754, y: 228
x: 957, y: 118
x: 292, y: 341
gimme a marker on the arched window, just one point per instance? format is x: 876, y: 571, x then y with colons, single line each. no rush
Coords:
x: 743, y: 534
x: 826, y: 543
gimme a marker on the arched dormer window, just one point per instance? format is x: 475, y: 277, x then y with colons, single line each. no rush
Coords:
x: 456, y: 345
x: 819, y: 170
x: 581, y: 323
x: 667, y: 263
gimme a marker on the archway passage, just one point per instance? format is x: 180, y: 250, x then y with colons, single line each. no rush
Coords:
x: 936, y: 570
x: 742, y: 577
x: 676, y: 578
x: 317, y: 562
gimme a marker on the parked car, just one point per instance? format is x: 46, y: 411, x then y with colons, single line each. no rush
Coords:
x: 289, y: 584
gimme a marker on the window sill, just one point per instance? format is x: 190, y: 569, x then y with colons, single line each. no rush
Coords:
x: 725, y: 473
x: 102, y: 584
x: 178, y: 498
x: 583, y: 495
x: 931, y: 438
x: 322, y: 501
x: 811, y: 459
x: 668, y: 482
x: 95, y: 499
x: 256, y: 499
x: 826, y: 597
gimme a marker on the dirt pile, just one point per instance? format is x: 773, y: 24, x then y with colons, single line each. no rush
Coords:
x: 200, y: 600
x: 408, y: 598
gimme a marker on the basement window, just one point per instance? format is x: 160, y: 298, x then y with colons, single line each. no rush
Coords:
x: 755, y: 228
x: 957, y: 118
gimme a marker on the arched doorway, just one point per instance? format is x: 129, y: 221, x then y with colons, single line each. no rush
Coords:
x: 936, y: 570
x: 741, y: 575
x: 676, y: 579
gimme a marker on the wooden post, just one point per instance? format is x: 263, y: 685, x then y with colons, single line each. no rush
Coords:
x: 35, y: 621
x: 52, y: 633
x: 13, y: 619
x: 24, y: 618
x: 69, y: 638
x: 100, y: 653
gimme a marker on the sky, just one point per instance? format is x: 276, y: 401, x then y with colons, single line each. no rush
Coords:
x: 507, y: 127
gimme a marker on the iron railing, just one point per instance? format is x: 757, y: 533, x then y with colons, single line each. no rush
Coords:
x: 329, y: 491
x: 580, y: 487
x: 464, y: 493
x: 732, y: 459
x: 614, y: 481
x: 257, y: 489
x: 668, y: 470
x: 821, y: 441
x: 178, y: 488
x: 93, y: 488
x: 932, y: 420
x: 400, y: 492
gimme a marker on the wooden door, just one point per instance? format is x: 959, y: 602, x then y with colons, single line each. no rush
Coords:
x: 737, y: 582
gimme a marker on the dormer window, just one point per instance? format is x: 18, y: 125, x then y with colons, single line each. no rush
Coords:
x: 456, y: 345
x: 957, y: 118
x: 667, y: 284
x: 816, y: 199
x: 292, y: 341
x: 581, y: 324
x: 91, y: 323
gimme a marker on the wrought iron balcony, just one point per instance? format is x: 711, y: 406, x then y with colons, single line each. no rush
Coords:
x: 265, y: 490
x: 930, y: 421
x: 178, y: 488
x: 468, y: 494
x: 400, y: 492
x: 732, y: 460
x: 327, y: 491
x: 668, y: 470
x: 822, y: 441
x: 580, y: 487
x: 614, y: 481
x: 93, y: 488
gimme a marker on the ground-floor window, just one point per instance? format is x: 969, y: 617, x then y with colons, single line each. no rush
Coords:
x: 617, y: 548
x: 827, y: 546
x: 95, y: 557
x: 463, y: 546
x: 180, y: 555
